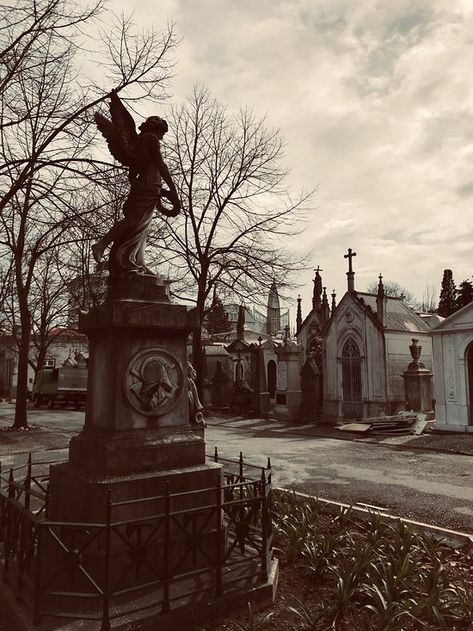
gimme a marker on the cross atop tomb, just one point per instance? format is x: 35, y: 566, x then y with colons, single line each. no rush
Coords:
x: 318, y: 269
x: 350, y: 273
x: 350, y: 256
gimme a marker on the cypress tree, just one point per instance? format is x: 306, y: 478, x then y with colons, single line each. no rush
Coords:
x: 448, y: 295
x: 464, y: 294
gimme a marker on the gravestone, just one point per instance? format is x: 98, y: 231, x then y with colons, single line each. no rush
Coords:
x: 288, y: 392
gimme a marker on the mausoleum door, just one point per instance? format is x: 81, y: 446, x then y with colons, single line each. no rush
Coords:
x: 351, y: 379
x: 272, y: 378
x: 469, y: 368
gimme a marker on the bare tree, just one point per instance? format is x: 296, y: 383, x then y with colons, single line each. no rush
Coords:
x: 429, y: 299
x: 395, y: 290
x: 47, y: 134
x: 237, y: 214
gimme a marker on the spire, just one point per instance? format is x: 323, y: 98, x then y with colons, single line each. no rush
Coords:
x: 317, y: 295
x: 299, y: 315
x: 334, y: 304
x: 380, y: 286
x: 325, y: 310
x: 350, y: 273
x: 273, y: 313
x: 381, y: 303
x: 241, y: 323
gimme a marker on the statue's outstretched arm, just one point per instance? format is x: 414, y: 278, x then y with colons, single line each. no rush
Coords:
x: 164, y: 172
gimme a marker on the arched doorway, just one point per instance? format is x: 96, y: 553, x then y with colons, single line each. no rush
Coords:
x: 352, y: 406
x: 272, y: 378
x: 469, y: 371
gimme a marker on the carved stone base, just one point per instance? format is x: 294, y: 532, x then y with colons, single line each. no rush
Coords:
x: 127, y: 452
x: 142, y: 287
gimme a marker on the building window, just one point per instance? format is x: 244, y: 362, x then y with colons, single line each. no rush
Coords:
x: 50, y: 362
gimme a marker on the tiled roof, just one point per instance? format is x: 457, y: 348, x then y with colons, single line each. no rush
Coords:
x: 399, y: 317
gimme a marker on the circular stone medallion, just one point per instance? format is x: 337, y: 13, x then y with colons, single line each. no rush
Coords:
x: 153, y: 381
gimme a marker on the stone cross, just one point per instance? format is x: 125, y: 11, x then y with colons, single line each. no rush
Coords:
x: 318, y: 269
x: 349, y: 256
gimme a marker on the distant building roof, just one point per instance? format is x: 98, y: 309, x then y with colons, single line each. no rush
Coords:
x: 399, y: 317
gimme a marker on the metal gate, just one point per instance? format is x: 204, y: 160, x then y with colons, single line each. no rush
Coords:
x: 352, y: 405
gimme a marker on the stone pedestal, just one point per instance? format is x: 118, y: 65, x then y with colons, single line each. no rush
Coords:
x: 137, y: 404
x: 418, y: 383
x: 137, y: 442
x: 137, y: 512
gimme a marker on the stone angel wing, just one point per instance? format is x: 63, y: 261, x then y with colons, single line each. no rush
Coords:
x: 120, y: 133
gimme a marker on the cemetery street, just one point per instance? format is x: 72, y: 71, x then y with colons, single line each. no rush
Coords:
x: 432, y: 487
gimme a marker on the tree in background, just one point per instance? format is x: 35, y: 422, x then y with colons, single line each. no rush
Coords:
x: 48, y: 163
x: 464, y: 294
x: 429, y: 300
x: 217, y: 318
x: 448, y: 295
x: 236, y: 212
x: 394, y: 290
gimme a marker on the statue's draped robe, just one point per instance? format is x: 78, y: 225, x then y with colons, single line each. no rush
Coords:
x: 127, y: 252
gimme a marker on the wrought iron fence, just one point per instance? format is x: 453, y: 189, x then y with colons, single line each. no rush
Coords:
x: 192, y: 544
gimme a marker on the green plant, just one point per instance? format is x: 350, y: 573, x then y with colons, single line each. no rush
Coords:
x: 461, y: 609
x: 253, y: 623
x: 344, y: 515
x: 386, y: 607
x: 344, y: 595
x: 319, y: 555
x: 310, y: 620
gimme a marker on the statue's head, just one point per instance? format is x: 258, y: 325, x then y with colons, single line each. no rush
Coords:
x: 154, y: 125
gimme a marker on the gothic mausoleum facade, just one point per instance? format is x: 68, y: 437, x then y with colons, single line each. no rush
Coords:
x: 364, y: 342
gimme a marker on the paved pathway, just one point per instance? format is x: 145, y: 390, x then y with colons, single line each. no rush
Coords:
x: 391, y: 473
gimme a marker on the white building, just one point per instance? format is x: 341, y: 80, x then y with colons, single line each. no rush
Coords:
x: 453, y: 371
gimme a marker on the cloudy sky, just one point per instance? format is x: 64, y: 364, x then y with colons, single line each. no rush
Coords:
x: 375, y: 101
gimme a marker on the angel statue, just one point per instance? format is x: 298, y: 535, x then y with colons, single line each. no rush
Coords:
x: 142, y: 155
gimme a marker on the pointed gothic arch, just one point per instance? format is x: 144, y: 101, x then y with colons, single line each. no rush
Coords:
x: 352, y: 404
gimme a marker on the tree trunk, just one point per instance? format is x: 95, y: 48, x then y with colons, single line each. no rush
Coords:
x: 21, y: 419
x: 197, y: 355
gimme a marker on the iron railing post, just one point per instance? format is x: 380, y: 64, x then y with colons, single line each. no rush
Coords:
x: 8, y: 527
x: 106, y: 579
x: 215, y: 454
x: 28, y: 483
x: 241, y: 511
x: 167, y: 530
x: 37, y: 575
x: 219, y: 537
x: 264, y: 528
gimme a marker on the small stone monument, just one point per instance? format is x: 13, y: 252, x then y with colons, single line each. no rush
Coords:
x: 288, y: 392
x: 418, y: 383
x: 261, y: 400
x: 311, y: 390
x: 220, y: 390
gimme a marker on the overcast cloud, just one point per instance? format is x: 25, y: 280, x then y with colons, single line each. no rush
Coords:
x: 375, y: 101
